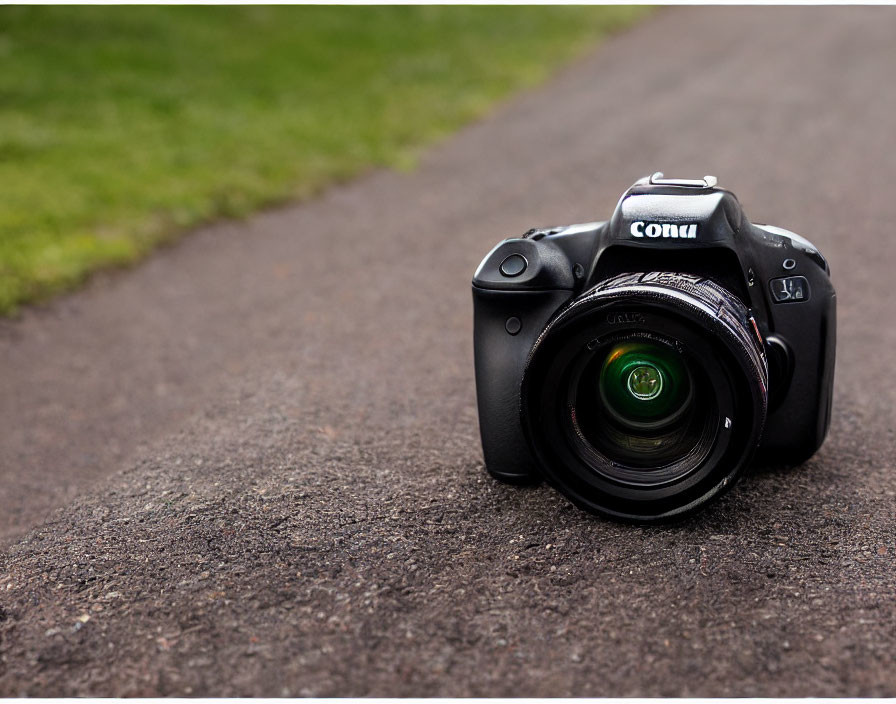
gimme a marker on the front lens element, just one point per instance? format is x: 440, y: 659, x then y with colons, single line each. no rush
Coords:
x: 634, y: 401
x: 645, y: 382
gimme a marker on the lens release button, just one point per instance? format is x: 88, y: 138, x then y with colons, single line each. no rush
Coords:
x: 514, y: 265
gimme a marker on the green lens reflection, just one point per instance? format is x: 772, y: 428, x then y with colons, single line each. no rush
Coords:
x: 644, y: 382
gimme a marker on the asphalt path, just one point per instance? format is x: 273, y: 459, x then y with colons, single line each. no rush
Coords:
x: 251, y: 465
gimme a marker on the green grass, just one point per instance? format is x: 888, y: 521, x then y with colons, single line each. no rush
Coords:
x: 120, y: 127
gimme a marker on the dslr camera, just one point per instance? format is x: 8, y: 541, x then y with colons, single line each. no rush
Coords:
x: 638, y: 364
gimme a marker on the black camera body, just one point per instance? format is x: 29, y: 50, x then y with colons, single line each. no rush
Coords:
x: 637, y: 364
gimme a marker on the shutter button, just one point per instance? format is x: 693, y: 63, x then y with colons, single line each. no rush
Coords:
x: 514, y: 265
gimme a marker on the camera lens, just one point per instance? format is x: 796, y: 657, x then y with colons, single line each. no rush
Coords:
x: 645, y: 397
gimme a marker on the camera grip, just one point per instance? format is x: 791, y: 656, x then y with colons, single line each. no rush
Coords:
x: 506, y: 325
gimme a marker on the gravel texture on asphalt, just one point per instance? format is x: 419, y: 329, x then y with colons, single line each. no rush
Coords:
x: 262, y: 445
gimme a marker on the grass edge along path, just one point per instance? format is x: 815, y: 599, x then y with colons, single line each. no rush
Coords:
x: 121, y: 128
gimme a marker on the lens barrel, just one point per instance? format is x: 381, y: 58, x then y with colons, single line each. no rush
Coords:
x: 645, y: 397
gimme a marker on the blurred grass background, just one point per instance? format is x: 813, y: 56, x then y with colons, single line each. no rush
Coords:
x: 121, y: 127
